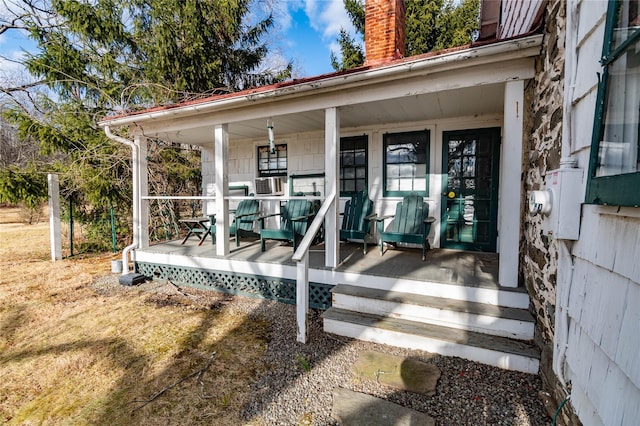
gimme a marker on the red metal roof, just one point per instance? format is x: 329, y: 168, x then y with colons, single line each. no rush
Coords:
x: 306, y: 80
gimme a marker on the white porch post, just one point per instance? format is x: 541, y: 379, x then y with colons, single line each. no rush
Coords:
x: 54, y: 217
x: 208, y: 172
x: 221, y: 136
x: 331, y: 163
x: 302, y: 297
x: 510, y: 184
x: 143, y: 176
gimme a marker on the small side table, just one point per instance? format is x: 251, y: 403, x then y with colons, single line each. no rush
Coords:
x: 199, y: 226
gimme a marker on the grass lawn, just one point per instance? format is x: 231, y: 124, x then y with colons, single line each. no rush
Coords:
x: 71, y: 354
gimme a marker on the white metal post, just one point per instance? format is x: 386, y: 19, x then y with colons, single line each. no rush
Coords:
x: 207, y: 157
x: 54, y: 217
x: 332, y: 164
x: 221, y: 136
x: 143, y: 177
x: 511, y: 184
x: 302, y: 296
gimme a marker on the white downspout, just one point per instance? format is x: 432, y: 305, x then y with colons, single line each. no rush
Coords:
x: 136, y: 198
x: 565, y: 280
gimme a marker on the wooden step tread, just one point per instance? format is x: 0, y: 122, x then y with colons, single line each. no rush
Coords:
x: 435, y: 302
x: 453, y: 335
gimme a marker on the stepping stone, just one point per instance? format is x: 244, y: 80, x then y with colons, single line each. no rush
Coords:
x: 398, y: 372
x: 358, y: 409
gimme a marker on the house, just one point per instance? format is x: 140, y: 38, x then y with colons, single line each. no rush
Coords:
x: 535, y: 211
x: 580, y: 260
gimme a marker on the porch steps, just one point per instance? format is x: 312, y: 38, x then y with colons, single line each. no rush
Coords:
x: 485, y: 318
x: 484, y: 332
x: 492, y: 350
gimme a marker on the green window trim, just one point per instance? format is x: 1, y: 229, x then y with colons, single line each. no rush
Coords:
x: 402, y: 174
x: 613, y: 189
x: 354, y: 165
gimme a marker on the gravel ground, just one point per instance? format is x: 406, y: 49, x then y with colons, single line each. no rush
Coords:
x: 297, y: 384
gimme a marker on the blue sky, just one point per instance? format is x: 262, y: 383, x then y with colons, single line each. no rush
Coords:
x: 310, y: 29
x: 305, y: 31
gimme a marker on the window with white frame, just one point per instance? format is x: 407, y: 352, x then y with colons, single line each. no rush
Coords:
x: 614, y: 169
x: 406, y: 163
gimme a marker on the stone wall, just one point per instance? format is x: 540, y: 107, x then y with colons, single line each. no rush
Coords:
x: 542, y: 153
x: 543, y: 140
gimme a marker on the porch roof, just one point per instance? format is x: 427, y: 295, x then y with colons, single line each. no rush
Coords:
x: 453, y: 83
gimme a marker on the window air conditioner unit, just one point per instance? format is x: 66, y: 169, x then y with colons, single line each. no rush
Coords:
x: 269, y: 185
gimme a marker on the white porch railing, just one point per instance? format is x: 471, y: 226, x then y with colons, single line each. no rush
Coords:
x: 233, y: 197
x: 301, y: 256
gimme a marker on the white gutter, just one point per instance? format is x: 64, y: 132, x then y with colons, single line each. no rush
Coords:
x: 520, y: 47
x: 136, y: 199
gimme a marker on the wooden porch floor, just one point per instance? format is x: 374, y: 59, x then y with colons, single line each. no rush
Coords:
x: 471, y: 269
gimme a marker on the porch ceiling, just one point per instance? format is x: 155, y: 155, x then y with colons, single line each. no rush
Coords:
x: 463, y: 102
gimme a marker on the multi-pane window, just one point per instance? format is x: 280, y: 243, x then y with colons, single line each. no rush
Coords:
x: 353, y: 165
x: 614, y: 170
x: 272, y: 163
x: 406, y: 163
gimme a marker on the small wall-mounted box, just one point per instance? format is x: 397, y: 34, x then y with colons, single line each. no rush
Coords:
x: 561, y: 202
x: 565, y: 184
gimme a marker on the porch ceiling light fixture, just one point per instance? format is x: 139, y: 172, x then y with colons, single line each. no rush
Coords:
x: 272, y: 142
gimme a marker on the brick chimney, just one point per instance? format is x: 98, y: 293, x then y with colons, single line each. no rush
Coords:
x: 384, y: 29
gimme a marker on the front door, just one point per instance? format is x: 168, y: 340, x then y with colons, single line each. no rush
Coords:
x: 470, y: 189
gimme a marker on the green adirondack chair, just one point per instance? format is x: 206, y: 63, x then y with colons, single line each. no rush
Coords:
x: 356, y: 219
x: 242, y: 225
x: 411, y: 224
x: 295, y: 217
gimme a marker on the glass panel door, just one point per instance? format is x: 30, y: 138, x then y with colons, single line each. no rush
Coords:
x: 470, y: 189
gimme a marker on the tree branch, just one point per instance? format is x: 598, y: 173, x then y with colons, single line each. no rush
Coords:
x: 197, y: 373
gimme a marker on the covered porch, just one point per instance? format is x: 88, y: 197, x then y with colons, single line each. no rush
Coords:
x: 453, y: 100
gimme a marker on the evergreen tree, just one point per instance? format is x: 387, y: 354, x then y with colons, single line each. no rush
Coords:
x: 100, y: 57
x: 458, y: 24
x: 352, y: 54
x: 430, y: 25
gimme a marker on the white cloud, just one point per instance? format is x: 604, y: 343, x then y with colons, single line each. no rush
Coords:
x: 13, y: 47
x: 328, y: 17
x: 334, y: 47
x: 288, y: 38
x: 282, y: 13
x: 11, y: 63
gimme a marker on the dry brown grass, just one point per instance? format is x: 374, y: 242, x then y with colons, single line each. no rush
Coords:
x: 70, y: 354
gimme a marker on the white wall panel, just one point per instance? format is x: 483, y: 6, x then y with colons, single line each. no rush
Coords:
x: 628, y: 350
x: 584, y: 409
x: 603, y: 354
x: 631, y: 409
x: 591, y: 15
x: 584, y: 110
x: 595, y: 380
x: 605, y: 250
x: 627, y: 247
x: 588, y: 63
x: 611, y: 409
x: 607, y: 320
x: 579, y: 353
x: 578, y: 288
